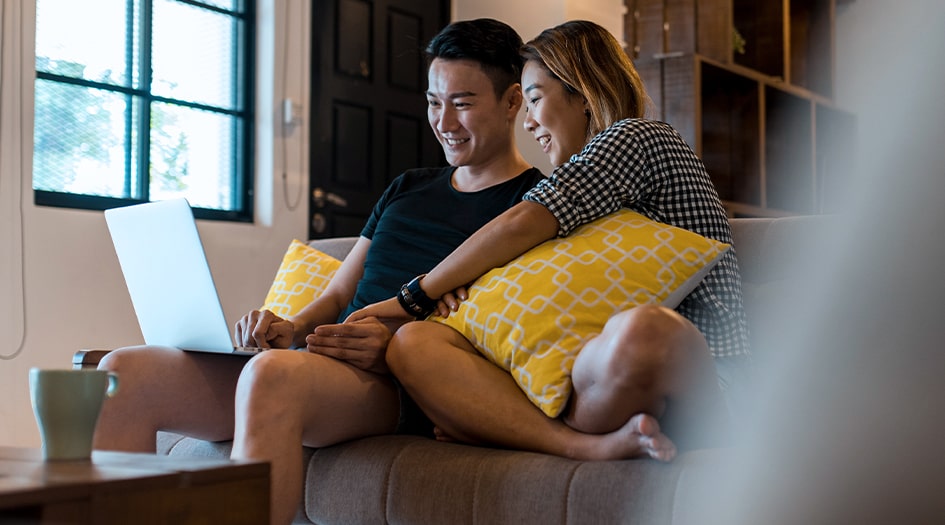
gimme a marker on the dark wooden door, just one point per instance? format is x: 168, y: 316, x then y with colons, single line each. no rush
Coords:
x: 369, y: 118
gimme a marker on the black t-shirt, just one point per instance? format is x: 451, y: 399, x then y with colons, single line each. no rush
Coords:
x: 419, y: 220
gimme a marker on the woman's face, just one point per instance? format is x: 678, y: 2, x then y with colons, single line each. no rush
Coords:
x: 553, y: 116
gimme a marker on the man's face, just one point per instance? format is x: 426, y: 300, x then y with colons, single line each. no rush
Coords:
x: 472, y: 125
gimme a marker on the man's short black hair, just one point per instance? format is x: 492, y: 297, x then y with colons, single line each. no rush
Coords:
x: 495, y: 45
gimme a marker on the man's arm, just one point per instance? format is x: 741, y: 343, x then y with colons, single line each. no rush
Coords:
x: 264, y: 329
x: 362, y: 344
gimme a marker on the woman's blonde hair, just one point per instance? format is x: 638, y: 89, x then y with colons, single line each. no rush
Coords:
x: 591, y: 63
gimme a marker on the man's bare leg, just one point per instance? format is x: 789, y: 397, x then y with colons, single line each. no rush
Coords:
x: 288, y: 398
x: 472, y: 400
x: 167, y: 389
x: 648, y: 360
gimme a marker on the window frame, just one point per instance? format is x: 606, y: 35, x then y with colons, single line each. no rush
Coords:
x: 243, y: 141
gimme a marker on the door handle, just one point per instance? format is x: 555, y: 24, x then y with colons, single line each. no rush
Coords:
x: 320, y: 197
x: 319, y: 223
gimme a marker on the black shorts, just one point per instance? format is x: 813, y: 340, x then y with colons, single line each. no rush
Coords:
x: 412, y: 420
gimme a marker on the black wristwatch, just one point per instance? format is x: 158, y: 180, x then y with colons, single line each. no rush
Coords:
x: 413, y: 299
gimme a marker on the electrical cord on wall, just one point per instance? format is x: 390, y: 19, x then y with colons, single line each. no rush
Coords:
x: 19, y: 200
x: 286, y: 119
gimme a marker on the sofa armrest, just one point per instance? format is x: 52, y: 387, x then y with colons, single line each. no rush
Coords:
x: 86, y: 358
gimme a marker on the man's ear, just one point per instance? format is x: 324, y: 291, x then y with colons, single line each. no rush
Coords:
x: 514, y: 97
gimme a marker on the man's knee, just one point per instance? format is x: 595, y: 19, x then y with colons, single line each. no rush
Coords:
x: 113, y: 361
x: 130, y: 360
x: 271, y: 370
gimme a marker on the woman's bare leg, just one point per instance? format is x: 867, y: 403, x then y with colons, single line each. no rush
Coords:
x: 167, y: 389
x: 648, y: 360
x: 472, y: 400
x: 286, y: 399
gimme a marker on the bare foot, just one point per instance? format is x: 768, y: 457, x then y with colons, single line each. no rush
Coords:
x: 653, y: 443
x: 639, y: 437
x: 440, y: 435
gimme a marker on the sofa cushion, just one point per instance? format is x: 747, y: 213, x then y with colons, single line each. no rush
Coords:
x: 533, y: 315
x: 302, y: 276
x: 409, y: 479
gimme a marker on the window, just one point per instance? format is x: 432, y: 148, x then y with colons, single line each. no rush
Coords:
x: 140, y: 100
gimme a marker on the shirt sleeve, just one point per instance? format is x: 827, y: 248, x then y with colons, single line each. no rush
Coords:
x: 606, y: 175
x: 381, y: 204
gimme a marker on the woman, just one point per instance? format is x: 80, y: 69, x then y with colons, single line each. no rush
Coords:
x: 651, y: 369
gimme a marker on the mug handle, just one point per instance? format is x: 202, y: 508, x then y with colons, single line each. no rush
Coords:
x: 112, y: 384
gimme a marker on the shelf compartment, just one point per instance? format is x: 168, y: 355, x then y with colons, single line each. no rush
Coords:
x: 788, y: 152
x: 761, y: 25
x: 730, y: 134
x: 811, y: 45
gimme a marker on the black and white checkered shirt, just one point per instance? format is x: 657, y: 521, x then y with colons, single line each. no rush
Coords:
x: 646, y: 166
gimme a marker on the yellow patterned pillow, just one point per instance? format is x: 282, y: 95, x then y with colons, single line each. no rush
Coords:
x: 303, y: 276
x: 533, y: 315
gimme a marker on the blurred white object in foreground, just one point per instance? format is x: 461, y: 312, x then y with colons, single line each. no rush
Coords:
x: 851, y: 411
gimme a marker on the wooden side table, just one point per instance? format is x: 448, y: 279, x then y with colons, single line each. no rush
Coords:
x: 119, y: 488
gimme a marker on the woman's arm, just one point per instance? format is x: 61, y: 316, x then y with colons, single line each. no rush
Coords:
x: 514, y: 232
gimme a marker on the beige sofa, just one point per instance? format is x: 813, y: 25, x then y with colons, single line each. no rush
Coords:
x: 413, y: 480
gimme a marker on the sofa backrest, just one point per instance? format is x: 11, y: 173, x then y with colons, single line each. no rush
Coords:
x: 768, y: 253
x: 337, y: 247
x: 775, y: 255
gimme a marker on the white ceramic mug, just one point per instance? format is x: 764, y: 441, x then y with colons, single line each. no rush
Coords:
x: 66, y: 404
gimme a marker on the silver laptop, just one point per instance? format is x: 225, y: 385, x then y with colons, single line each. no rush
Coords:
x: 168, y: 277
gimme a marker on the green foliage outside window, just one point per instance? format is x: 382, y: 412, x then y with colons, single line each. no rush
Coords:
x: 154, y: 101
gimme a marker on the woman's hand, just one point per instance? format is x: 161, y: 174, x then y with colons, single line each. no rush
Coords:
x: 388, y: 312
x: 450, y: 302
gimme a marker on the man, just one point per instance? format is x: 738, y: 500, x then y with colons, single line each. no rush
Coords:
x: 339, y: 388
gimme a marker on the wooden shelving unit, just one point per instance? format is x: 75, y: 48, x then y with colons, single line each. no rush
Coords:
x: 749, y: 84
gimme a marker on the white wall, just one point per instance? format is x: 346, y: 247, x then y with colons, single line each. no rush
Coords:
x: 74, y: 294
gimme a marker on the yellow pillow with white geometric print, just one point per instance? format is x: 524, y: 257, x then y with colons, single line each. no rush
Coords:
x: 302, y: 276
x: 532, y: 316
